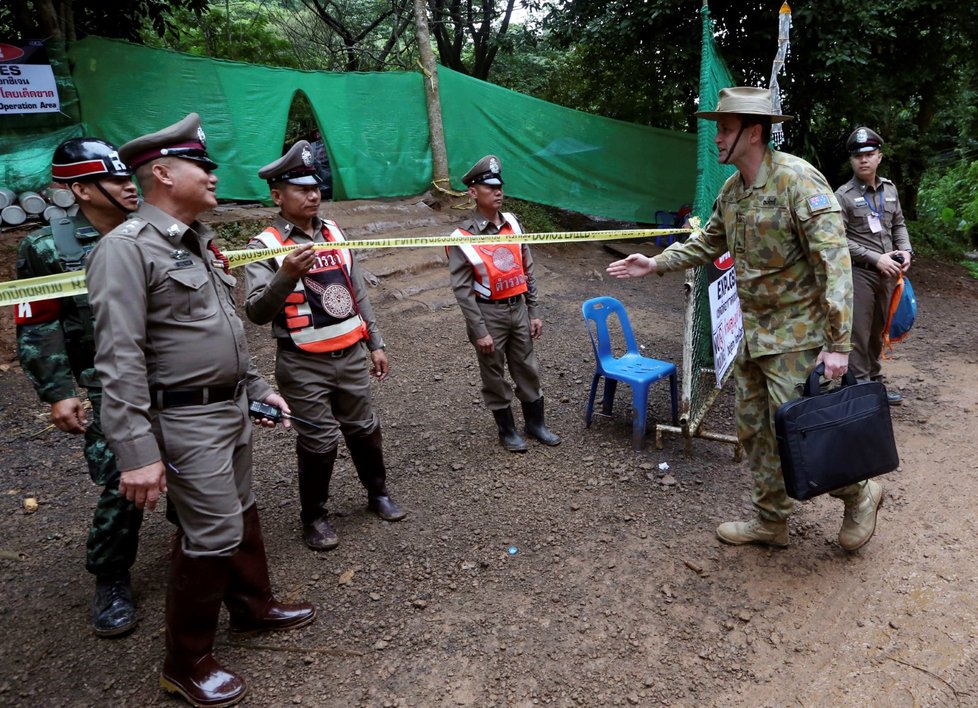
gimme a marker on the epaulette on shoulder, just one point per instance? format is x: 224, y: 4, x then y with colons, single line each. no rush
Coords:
x: 132, y: 226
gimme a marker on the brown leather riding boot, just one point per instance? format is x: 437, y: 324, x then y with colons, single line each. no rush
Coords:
x: 249, y: 593
x: 367, y: 452
x: 193, y: 603
x: 315, y: 471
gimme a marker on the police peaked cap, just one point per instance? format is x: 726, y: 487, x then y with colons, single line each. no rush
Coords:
x: 863, y: 140
x: 184, y: 139
x: 485, y: 171
x: 295, y: 167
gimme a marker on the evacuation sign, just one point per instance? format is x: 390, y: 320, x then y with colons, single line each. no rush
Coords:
x: 26, y: 79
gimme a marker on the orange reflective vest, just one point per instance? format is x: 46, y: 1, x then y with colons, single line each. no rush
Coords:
x: 321, y: 313
x: 498, y: 268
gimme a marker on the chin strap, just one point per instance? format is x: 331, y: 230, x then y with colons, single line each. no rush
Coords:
x: 116, y: 204
x: 726, y: 161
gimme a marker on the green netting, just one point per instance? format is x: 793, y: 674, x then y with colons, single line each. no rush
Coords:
x: 566, y: 158
x: 699, y: 380
x: 376, y: 130
x: 27, y: 141
x: 375, y: 125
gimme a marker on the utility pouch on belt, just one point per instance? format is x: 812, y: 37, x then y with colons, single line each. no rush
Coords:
x: 830, y: 440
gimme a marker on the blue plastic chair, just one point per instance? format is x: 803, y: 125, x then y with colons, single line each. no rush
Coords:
x: 638, y: 371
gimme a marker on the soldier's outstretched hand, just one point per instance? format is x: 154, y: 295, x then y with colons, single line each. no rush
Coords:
x: 635, y: 266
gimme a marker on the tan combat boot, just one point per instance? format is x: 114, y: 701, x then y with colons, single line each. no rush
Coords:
x: 859, y: 520
x: 757, y: 530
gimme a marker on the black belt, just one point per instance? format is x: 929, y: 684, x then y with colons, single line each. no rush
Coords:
x: 865, y: 266
x: 288, y: 345
x: 504, y: 301
x: 177, y: 397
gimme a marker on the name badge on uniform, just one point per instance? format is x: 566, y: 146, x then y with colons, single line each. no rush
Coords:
x: 874, y: 223
x: 859, y: 201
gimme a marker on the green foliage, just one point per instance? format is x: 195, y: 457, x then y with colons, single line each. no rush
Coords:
x: 948, y: 211
x: 242, y: 31
x: 971, y: 267
x: 907, y: 68
x: 231, y: 235
x: 535, y: 218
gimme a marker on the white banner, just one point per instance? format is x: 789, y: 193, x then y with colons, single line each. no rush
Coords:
x: 27, y: 82
x: 725, y: 316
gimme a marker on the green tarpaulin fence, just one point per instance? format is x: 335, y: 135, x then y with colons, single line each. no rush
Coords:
x: 376, y: 130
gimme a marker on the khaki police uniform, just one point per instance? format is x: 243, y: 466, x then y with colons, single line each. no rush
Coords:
x: 333, y: 388
x: 322, y: 367
x: 508, y: 321
x: 863, y: 205
x: 168, y: 334
x: 794, y: 283
x: 174, y: 364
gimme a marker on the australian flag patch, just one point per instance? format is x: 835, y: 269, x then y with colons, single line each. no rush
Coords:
x: 819, y: 201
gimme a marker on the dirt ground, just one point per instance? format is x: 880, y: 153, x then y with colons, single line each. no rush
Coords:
x: 619, y: 593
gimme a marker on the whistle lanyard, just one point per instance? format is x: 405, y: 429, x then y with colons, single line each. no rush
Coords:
x: 877, y: 211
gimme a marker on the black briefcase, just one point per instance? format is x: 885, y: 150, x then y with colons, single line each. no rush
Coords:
x: 828, y: 440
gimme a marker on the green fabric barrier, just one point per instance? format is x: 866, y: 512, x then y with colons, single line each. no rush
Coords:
x: 376, y: 130
x: 375, y: 125
x: 566, y: 158
x: 27, y: 141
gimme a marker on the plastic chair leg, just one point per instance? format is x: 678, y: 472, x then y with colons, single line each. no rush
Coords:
x: 640, y: 409
x: 589, y: 409
x: 674, y: 387
x: 610, y: 386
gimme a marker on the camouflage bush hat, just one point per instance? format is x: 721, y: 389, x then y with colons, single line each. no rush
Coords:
x: 863, y: 140
x: 295, y: 167
x: 744, y: 101
x: 184, y: 139
x: 485, y: 171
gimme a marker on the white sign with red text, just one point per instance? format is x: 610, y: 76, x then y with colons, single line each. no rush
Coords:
x: 27, y: 82
x: 725, y: 316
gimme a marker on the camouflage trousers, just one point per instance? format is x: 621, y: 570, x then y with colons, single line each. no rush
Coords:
x: 114, y: 535
x: 762, y: 385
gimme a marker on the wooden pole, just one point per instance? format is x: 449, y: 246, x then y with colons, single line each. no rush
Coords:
x: 439, y: 155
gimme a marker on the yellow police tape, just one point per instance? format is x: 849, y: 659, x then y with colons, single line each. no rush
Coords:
x: 68, y: 284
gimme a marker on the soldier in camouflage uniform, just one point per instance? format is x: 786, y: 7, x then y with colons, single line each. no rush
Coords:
x: 56, y: 348
x: 781, y: 222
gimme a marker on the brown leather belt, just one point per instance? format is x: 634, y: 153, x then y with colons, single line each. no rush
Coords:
x: 504, y: 301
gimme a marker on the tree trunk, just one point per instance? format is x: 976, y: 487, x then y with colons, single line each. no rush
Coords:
x: 436, y: 131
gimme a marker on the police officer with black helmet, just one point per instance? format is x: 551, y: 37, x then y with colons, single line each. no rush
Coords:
x: 56, y: 348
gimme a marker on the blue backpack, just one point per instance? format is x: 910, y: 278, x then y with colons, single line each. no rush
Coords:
x: 901, y: 315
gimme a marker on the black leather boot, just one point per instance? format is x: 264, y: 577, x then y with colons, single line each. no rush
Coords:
x: 193, y: 603
x: 113, y: 611
x: 533, y: 417
x: 508, y: 437
x: 315, y: 471
x: 249, y: 598
x: 367, y: 452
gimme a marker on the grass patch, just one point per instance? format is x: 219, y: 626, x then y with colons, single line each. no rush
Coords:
x: 971, y: 267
